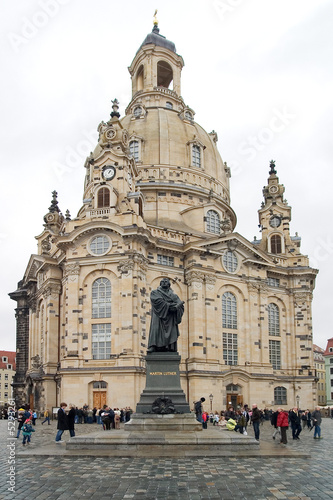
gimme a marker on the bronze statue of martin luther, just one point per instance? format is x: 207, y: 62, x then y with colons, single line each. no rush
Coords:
x: 166, y: 314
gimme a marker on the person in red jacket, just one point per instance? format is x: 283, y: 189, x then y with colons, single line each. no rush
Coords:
x: 283, y: 423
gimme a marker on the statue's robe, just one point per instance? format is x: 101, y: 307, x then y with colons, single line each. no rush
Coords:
x: 164, y: 323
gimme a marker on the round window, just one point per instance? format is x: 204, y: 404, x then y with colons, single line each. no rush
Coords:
x: 137, y: 111
x: 100, y: 245
x: 230, y: 261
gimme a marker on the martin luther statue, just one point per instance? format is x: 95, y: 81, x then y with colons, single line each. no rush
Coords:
x: 166, y: 314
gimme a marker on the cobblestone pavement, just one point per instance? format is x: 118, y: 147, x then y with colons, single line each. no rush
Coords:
x: 267, y: 477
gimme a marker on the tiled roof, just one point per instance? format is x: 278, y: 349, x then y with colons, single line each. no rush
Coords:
x: 10, y: 355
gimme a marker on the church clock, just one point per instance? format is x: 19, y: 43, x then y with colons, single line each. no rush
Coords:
x: 108, y: 172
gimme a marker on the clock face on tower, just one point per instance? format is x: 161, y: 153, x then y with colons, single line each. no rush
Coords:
x: 108, y: 172
x: 275, y: 221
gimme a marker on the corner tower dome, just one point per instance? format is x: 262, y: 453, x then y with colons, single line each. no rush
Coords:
x: 180, y: 168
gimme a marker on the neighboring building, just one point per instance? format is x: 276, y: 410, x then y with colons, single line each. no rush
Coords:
x: 319, y: 363
x: 156, y: 203
x: 328, y: 355
x: 7, y: 372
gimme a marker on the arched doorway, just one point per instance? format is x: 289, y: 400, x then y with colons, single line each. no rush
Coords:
x: 99, y: 394
x: 234, y: 398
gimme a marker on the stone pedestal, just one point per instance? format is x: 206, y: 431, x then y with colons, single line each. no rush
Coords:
x: 162, y: 382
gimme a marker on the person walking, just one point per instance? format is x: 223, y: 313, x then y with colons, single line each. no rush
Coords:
x: 295, y: 422
x: 20, y: 419
x: 46, y: 417
x: 27, y: 429
x: 71, y: 420
x: 316, y: 418
x: 255, y: 419
x: 282, y: 423
x: 62, y: 422
x: 274, y: 423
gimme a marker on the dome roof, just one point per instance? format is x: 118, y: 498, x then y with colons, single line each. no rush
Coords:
x: 168, y: 137
x: 156, y: 39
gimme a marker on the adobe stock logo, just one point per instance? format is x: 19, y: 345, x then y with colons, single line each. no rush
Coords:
x: 75, y: 156
x: 249, y: 148
x: 30, y: 27
x: 225, y: 7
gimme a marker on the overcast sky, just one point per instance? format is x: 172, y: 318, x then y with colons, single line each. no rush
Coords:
x: 258, y: 72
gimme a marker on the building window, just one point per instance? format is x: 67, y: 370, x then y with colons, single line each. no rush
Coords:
x: 103, y: 198
x: 99, y: 245
x: 165, y: 260
x: 196, y: 156
x: 4, y: 359
x: 230, y: 349
x: 230, y: 261
x: 275, y: 354
x: 134, y: 149
x: 6, y: 395
x: 280, y: 396
x: 273, y: 320
x: 101, y: 298
x: 276, y: 246
x: 101, y: 341
x: 229, y: 311
x: 273, y: 282
x: 213, y: 224
x: 6, y: 376
x: 164, y: 74
x: 9, y: 367
x: 6, y: 386
x: 99, y: 385
x: 169, y: 105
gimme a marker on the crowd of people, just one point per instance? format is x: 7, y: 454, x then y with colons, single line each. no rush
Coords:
x: 239, y: 420
x: 233, y: 420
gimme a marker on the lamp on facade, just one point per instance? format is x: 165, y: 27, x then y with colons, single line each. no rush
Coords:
x: 297, y: 401
x: 211, y: 402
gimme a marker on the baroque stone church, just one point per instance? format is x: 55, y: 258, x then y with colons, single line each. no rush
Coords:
x: 156, y: 203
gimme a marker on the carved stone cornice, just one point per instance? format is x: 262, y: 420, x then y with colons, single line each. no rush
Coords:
x: 126, y: 266
x: 192, y: 276
x: 52, y: 290
x: 301, y: 297
x: 71, y: 270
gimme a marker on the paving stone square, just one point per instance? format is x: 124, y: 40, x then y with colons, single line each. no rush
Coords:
x: 304, y: 471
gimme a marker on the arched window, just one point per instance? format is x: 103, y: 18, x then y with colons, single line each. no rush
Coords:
x: 213, y: 224
x: 101, y: 298
x: 164, y: 74
x: 230, y: 261
x: 229, y: 311
x: 280, y: 396
x: 276, y: 245
x: 273, y: 319
x: 139, y: 79
x: 103, y: 199
x: 169, y: 105
x: 134, y: 149
x: 196, y: 156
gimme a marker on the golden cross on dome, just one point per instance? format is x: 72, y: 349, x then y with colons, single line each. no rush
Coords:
x: 155, y: 18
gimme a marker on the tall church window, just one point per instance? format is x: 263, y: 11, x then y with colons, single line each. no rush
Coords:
x: 101, y: 341
x: 134, y: 150
x: 230, y: 348
x: 196, y: 156
x: 276, y: 245
x: 103, y: 198
x: 139, y: 79
x: 275, y: 354
x: 229, y: 311
x: 101, y: 298
x: 213, y: 224
x: 273, y: 320
x: 280, y: 396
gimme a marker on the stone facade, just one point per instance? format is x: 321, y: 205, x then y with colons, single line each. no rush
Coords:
x: 156, y: 203
x: 328, y: 356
